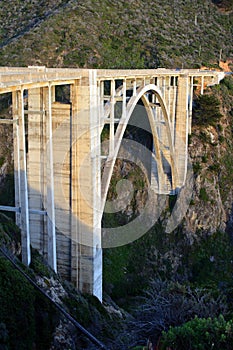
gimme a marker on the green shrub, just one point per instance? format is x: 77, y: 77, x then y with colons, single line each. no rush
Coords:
x: 204, y: 158
x: 221, y: 138
x: 201, y: 334
x: 39, y: 266
x: 204, y: 137
x: 209, y: 262
x: 220, y: 127
x: 206, y: 110
x: 196, y: 168
x: 228, y: 82
x: 215, y: 167
x: 203, y: 195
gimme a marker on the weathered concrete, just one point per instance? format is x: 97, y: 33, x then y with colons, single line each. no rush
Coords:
x: 59, y: 190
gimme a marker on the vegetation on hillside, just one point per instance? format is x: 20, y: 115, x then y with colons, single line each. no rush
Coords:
x: 26, y: 13
x: 202, y: 334
x: 114, y: 34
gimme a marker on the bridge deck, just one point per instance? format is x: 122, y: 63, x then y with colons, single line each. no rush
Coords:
x: 12, y: 78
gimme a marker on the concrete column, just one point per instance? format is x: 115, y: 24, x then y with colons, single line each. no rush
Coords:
x: 112, y: 116
x: 135, y: 87
x: 51, y: 231
x: 190, y: 105
x: 172, y: 105
x: 16, y: 154
x: 163, y: 87
x: 181, y: 134
x: 86, y: 202
x: 202, y: 84
x: 75, y: 205
x: 40, y: 172
x: 35, y: 166
x: 163, y: 135
x: 124, y: 102
x: 63, y: 191
x: 101, y: 101
x: 22, y: 174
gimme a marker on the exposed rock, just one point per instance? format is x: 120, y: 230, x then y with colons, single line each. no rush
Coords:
x: 112, y: 310
x: 210, y: 210
x: 208, y: 213
x: 52, y: 287
x: 63, y: 338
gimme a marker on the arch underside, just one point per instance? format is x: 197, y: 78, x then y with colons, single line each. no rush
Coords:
x: 163, y: 145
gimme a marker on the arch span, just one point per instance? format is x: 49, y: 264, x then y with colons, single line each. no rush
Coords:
x: 118, y: 137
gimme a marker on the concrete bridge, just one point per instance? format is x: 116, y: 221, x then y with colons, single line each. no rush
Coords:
x: 62, y: 172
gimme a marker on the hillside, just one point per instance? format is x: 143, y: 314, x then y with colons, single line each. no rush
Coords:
x: 115, y: 34
x: 164, y: 279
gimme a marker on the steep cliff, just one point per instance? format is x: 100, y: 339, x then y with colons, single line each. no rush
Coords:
x: 210, y: 149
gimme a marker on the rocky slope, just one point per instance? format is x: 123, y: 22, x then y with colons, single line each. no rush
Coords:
x: 211, y: 152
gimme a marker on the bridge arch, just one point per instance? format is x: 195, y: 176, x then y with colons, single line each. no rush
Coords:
x: 118, y: 137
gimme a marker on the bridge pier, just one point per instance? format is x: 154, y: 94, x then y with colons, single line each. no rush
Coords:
x: 20, y: 173
x: 86, y: 195
x: 62, y: 174
x: 182, y: 128
x: 40, y: 171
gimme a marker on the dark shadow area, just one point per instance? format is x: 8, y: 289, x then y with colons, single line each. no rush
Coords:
x: 7, y: 193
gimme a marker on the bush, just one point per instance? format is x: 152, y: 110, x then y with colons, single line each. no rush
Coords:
x: 203, y: 195
x: 196, y: 168
x: 168, y: 303
x: 204, y: 158
x: 201, y: 334
x: 228, y: 82
x: 221, y: 138
x: 206, y: 110
x: 209, y: 262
